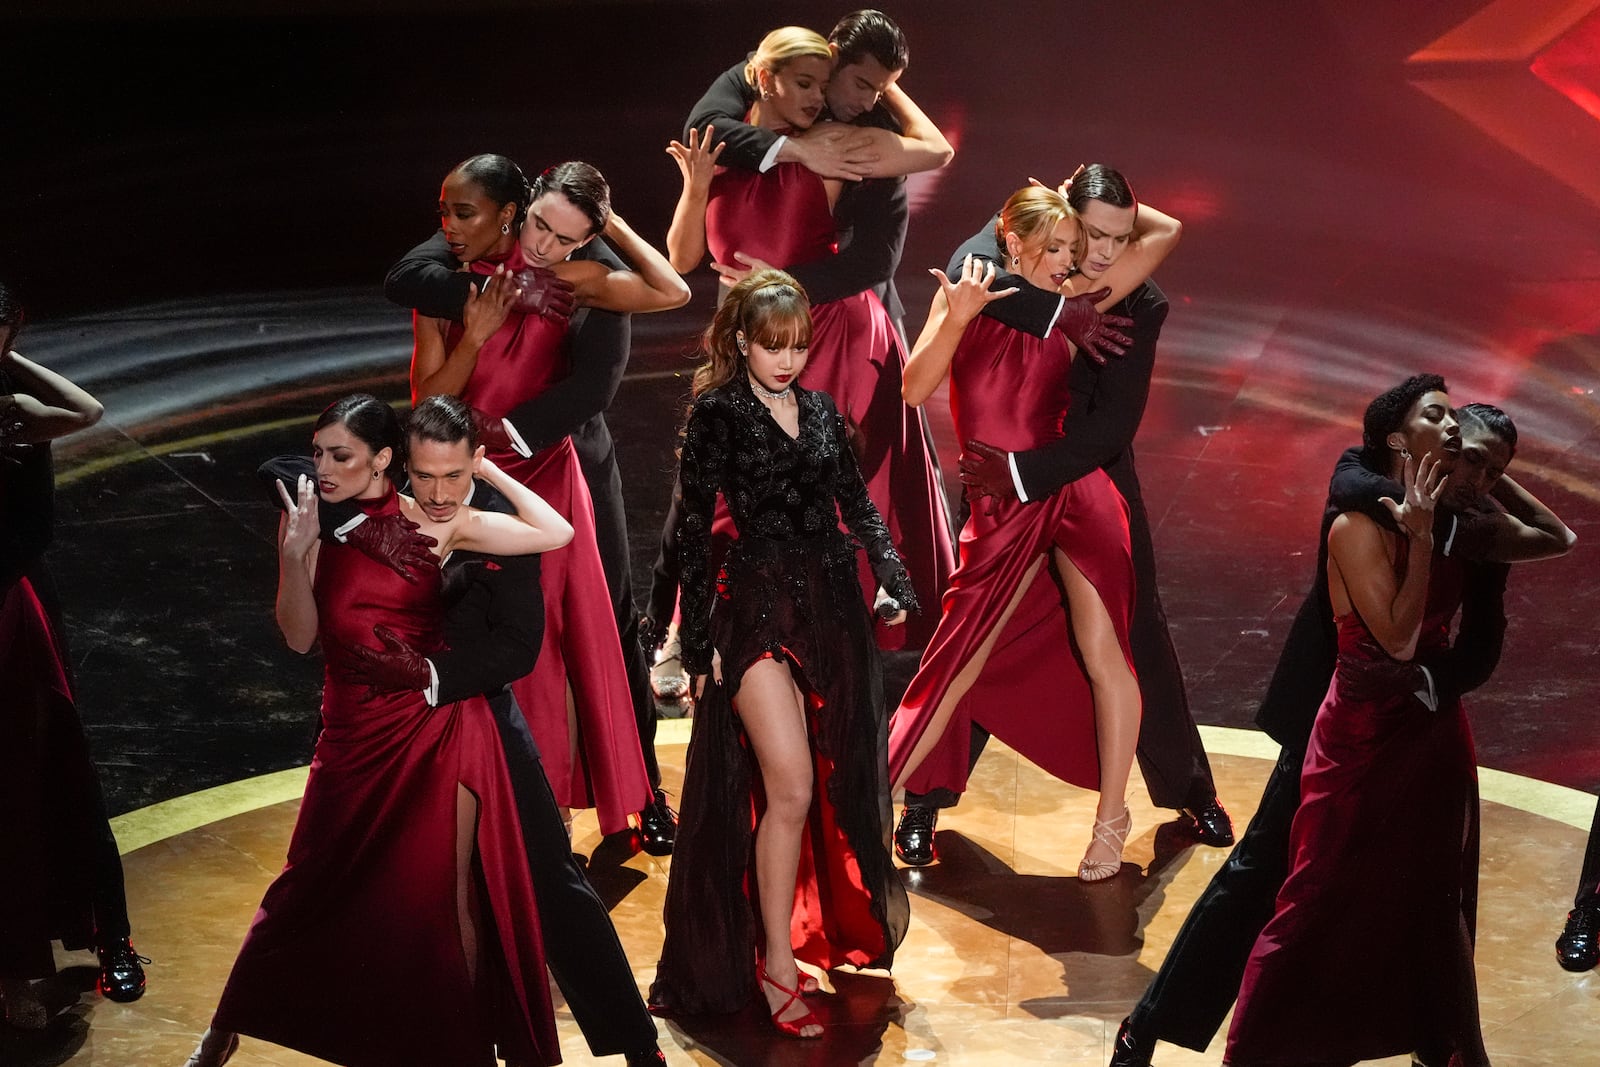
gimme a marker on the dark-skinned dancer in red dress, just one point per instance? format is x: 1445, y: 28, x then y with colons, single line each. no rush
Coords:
x: 407, y: 854
x: 1003, y: 655
x: 785, y: 216
x: 783, y: 845
x: 576, y: 700
x: 1369, y: 953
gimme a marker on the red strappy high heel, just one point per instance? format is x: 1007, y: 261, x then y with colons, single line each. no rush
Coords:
x: 789, y: 1027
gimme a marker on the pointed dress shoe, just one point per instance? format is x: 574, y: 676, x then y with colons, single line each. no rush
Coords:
x: 913, y: 837
x: 121, y: 971
x: 1129, y: 1050
x: 1211, y: 823
x: 658, y: 826
x: 1578, y: 947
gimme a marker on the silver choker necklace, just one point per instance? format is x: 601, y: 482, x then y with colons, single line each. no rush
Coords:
x: 763, y: 391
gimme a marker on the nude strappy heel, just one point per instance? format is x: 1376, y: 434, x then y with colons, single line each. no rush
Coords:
x: 1113, y: 833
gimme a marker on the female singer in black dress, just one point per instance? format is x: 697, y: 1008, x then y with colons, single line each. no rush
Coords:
x: 789, y: 741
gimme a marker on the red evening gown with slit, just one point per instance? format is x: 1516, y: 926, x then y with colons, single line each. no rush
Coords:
x: 856, y: 357
x: 591, y: 755
x: 1369, y: 953
x: 355, y: 955
x: 1010, y: 389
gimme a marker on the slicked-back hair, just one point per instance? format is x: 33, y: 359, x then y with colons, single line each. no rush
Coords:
x: 501, y: 180
x: 370, y: 420
x: 442, y: 418
x: 870, y: 33
x: 1492, y: 419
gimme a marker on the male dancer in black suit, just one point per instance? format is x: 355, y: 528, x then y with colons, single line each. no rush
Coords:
x: 493, y: 626
x: 428, y: 280
x: 870, y: 55
x: 1578, y: 947
x: 1199, y: 979
x: 1108, y: 401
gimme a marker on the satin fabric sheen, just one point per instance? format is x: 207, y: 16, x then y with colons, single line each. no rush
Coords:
x: 592, y: 757
x: 856, y: 357
x: 1369, y: 953
x: 1010, y: 389
x: 355, y: 955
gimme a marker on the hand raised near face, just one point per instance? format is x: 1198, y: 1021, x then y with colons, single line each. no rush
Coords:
x: 697, y: 160
x: 969, y: 294
x: 1424, y: 482
x: 488, y: 305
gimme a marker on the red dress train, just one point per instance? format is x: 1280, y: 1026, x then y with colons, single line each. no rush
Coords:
x: 355, y: 955
x: 856, y: 357
x: 1010, y: 389
x: 591, y: 754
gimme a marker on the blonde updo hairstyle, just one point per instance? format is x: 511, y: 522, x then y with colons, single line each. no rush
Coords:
x: 781, y: 47
x: 1031, y: 215
x: 770, y: 308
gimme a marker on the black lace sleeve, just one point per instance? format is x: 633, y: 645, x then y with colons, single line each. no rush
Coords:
x: 861, y: 516
x: 706, y: 443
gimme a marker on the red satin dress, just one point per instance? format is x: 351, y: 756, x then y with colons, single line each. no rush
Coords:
x: 1370, y: 951
x: 47, y: 786
x: 592, y: 756
x: 1010, y: 389
x: 857, y: 358
x: 355, y: 955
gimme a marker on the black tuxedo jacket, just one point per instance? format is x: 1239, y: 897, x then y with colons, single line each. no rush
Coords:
x: 870, y: 215
x: 1306, y: 664
x: 428, y: 279
x: 1107, y: 402
x: 493, y: 605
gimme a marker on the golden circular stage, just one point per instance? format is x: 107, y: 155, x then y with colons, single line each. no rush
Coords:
x: 1009, y: 959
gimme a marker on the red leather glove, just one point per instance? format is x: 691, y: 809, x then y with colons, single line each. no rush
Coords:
x: 492, y: 432
x: 394, y: 541
x: 986, y: 472
x: 397, y: 668
x: 1090, y: 330
x: 542, y: 293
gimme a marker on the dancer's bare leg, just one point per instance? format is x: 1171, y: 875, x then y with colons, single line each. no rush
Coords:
x: 466, y: 892
x: 964, y: 681
x: 772, y: 708
x: 1117, y: 704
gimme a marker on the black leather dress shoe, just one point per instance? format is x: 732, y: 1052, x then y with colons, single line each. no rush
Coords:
x: 1211, y: 823
x: 1128, y: 1050
x: 121, y: 971
x: 654, y: 1058
x: 658, y: 826
x: 913, y: 838
x: 1578, y: 947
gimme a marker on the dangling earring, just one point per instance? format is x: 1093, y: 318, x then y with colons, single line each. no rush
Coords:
x: 505, y: 227
x: 1405, y: 453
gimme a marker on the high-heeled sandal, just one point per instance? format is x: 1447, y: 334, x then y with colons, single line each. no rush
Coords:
x: 789, y: 1027
x: 207, y: 1054
x: 1113, y: 833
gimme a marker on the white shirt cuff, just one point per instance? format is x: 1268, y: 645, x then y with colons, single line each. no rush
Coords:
x: 517, y: 442
x: 1016, y: 479
x: 431, y: 694
x: 1450, y: 539
x: 1432, y: 698
x: 769, y: 160
x: 343, y: 531
x: 1060, y: 304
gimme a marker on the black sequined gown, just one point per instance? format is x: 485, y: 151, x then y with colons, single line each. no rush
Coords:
x: 787, y: 589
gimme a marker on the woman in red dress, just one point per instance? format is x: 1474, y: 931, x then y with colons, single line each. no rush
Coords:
x: 1003, y: 654
x: 576, y: 700
x: 782, y: 849
x: 402, y: 930
x: 51, y: 816
x: 1369, y: 953
x: 785, y: 216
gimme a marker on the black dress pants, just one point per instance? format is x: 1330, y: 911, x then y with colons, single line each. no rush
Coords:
x: 580, y: 943
x: 1589, y: 879
x: 1198, y: 982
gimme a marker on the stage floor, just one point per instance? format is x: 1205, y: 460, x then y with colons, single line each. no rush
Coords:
x: 1009, y: 959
